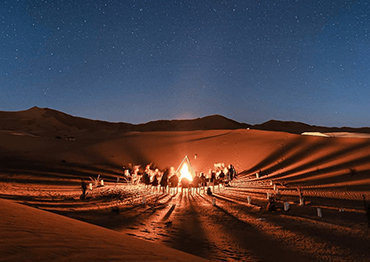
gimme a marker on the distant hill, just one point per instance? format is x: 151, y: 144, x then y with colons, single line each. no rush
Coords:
x: 44, y: 120
x: 298, y: 127
x: 204, y: 123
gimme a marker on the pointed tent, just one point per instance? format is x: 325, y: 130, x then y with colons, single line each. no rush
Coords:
x: 185, y: 167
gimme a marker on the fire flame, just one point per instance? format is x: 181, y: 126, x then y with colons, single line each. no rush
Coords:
x: 185, y: 173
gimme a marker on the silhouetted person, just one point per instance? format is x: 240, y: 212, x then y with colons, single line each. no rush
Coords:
x: 83, y: 188
x: 196, y: 181
x: 221, y: 175
x: 231, y: 172
x: 212, y: 180
x: 164, y: 180
x: 209, y: 191
x: 146, y: 179
x: 174, y: 181
x: 202, y: 180
x: 155, y: 181
x: 213, y: 177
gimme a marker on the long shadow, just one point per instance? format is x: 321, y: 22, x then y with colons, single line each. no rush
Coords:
x: 285, y: 149
x: 342, y: 166
x: 169, y: 212
x: 190, y: 236
x: 306, y: 214
x: 301, y: 154
x: 345, y: 176
x: 326, y: 159
x: 205, y: 138
x: 325, y: 234
x: 121, y: 220
x: 258, y: 242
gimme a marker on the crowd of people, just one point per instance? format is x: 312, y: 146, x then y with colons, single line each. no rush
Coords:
x: 168, y: 180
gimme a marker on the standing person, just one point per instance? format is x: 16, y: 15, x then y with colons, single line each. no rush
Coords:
x: 232, y: 173
x: 203, y: 181
x: 146, y: 179
x: 174, y: 182
x: 83, y: 188
x: 195, y: 183
x: 212, y: 181
x: 164, y: 180
x: 155, y: 182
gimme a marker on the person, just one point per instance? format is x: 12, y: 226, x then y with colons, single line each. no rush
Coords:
x: 164, y: 180
x: 221, y: 179
x: 203, y: 181
x: 174, y: 182
x: 232, y: 172
x: 83, y: 188
x: 213, y: 180
x: 146, y: 179
x: 134, y: 176
x: 195, y: 183
x: 127, y: 175
x: 155, y: 182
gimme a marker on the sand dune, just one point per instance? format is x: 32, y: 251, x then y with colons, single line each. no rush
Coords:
x: 31, y: 234
x: 44, y: 154
x: 278, y: 156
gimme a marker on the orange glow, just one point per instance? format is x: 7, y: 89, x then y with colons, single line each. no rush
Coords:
x: 185, y: 172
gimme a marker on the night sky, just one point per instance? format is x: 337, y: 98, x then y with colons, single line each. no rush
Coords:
x: 136, y: 61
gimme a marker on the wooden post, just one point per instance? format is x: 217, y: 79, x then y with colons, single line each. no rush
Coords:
x: 213, y: 201
x: 319, y: 212
x: 286, y: 206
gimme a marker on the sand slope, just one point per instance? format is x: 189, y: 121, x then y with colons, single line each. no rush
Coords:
x: 30, y: 234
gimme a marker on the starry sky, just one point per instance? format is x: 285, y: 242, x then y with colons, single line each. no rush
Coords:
x: 136, y: 61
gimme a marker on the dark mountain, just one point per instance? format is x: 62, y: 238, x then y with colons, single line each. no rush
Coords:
x: 44, y: 120
x: 298, y: 127
x: 204, y: 123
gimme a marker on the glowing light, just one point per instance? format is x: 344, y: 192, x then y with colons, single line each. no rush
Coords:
x: 185, y: 172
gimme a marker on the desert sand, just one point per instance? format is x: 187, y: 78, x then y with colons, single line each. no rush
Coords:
x: 43, y: 159
x: 29, y: 234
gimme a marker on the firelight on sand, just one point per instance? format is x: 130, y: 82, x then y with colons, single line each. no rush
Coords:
x: 185, y: 172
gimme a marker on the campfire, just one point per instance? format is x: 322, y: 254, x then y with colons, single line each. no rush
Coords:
x: 185, y: 169
x: 185, y: 173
